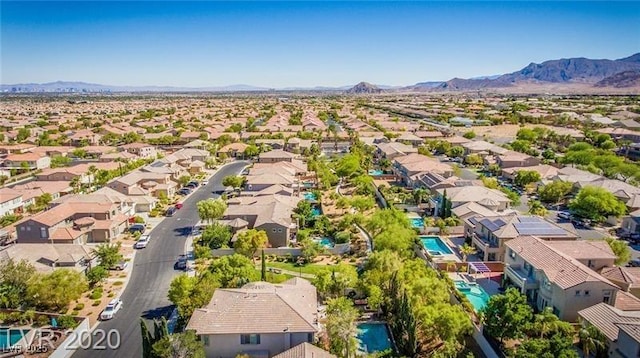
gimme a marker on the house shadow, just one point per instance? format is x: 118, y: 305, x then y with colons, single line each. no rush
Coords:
x: 158, y: 312
x: 183, y: 231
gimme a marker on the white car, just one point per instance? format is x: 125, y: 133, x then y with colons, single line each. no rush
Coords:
x: 143, y: 241
x: 564, y: 215
x: 204, y: 183
x: 114, y: 306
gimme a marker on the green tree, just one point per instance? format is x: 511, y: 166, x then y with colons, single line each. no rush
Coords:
x: 466, y: 251
x: 44, y: 200
x: 215, y: 236
x: 333, y: 280
x: 341, y: 326
x: 184, y: 180
x: 234, y: 181
x: 597, y: 204
x: 620, y: 249
x: 536, y: 208
x: 251, y: 151
x: 249, y: 241
x: 60, y: 161
x: 179, y: 345
x: 23, y: 134
x: 96, y: 275
x: 455, y: 151
x: 310, y: 249
x: 304, y: 213
x: 474, y: 159
x: 526, y: 177
x: 349, y: 166
x: 263, y: 267
x: 190, y: 293
x: 506, y: 315
x: 211, y: 209
x: 57, y: 289
x: 108, y: 254
x: 591, y: 340
x: 147, y: 340
x: 554, y: 192
x: 234, y: 270
x: 14, y: 281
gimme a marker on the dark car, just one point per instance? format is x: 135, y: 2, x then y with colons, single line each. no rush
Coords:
x: 184, y: 191
x: 137, y: 228
x: 193, y: 184
x: 181, y: 264
x: 170, y: 211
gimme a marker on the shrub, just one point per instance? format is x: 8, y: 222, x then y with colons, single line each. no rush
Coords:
x: 96, y: 303
x: 95, y: 295
x: 138, y: 220
x: 3, y: 317
x: 78, y: 307
x: 118, y: 283
x: 343, y: 237
x: 67, y: 322
x: 41, y: 320
x: 13, y: 317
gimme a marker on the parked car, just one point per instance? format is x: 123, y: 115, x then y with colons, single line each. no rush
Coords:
x: 112, y: 308
x: 170, y: 211
x: 184, y: 191
x: 137, y: 228
x: 178, y: 206
x: 634, y: 263
x: 181, y: 264
x: 204, y: 183
x: 121, y: 265
x: 143, y: 241
x: 193, y: 184
x: 564, y: 215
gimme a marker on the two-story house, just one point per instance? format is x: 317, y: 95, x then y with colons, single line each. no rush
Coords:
x: 409, y: 168
x: 144, y: 183
x: 552, y: 278
x: 512, y: 159
x: 142, y: 150
x: 27, y: 161
x: 275, y: 156
x: 271, y: 213
x: 489, y: 234
x: 10, y: 201
x: 259, y: 320
x: 73, y: 223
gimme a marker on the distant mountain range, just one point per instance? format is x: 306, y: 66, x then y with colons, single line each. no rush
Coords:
x: 586, y: 73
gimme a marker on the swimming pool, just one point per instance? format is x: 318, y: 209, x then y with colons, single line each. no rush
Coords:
x: 309, y: 196
x: 373, y: 337
x: 9, y: 337
x: 316, y: 211
x: 434, y: 244
x: 325, y: 241
x: 417, y: 223
x: 474, y: 293
x: 376, y: 172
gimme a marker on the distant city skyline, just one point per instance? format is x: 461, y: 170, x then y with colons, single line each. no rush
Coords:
x: 301, y: 44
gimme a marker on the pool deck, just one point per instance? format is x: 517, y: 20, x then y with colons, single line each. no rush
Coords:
x: 445, y: 257
x: 490, y: 286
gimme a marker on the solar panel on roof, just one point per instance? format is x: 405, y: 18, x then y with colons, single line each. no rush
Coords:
x: 480, y: 267
x: 500, y: 223
x: 539, y: 228
x: 529, y: 219
x: 157, y: 164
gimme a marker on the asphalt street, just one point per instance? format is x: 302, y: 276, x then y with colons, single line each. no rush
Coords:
x: 153, y: 269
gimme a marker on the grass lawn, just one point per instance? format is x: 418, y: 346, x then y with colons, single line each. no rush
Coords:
x: 309, y: 268
x: 276, y: 277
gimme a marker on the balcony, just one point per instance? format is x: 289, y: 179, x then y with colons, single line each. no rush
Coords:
x: 521, y: 278
x: 485, y: 245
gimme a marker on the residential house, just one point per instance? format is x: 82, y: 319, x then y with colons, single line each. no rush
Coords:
x: 233, y: 150
x: 46, y: 258
x: 621, y: 328
x: 259, y: 180
x: 627, y: 278
x: 490, y: 198
x: 631, y: 222
x: 141, y: 150
x: 489, y: 234
x: 393, y: 150
x: 73, y: 222
x: 273, y: 143
x: 410, y: 138
x: 512, y: 159
x: 83, y: 137
x: 32, y: 190
x: 259, y: 320
x: 621, y: 190
x: 10, y: 202
x: 305, y: 350
x: 482, y: 147
x: 66, y: 174
x: 271, y: 213
x: 144, y: 183
x: 28, y: 161
x: 547, y: 172
x: 409, y: 168
x: 275, y: 156
x: 552, y: 278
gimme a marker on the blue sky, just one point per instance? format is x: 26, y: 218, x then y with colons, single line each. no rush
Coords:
x: 280, y: 44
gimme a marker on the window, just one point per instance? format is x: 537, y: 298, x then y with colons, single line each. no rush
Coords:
x: 512, y: 254
x: 606, y: 296
x: 250, y: 339
x: 590, y: 263
x: 205, y: 341
x: 577, y: 293
x: 587, y: 293
x: 43, y: 232
x: 28, y: 228
x: 273, y: 230
x: 279, y: 230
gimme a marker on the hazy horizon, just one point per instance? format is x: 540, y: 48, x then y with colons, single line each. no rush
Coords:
x: 301, y: 44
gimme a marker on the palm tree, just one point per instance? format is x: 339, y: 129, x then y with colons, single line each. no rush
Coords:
x: 467, y: 250
x: 591, y: 340
x: 420, y: 195
x: 546, y: 321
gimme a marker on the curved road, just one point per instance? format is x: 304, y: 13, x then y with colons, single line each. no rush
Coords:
x: 152, y: 272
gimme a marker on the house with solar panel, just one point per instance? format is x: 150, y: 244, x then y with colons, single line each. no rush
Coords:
x: 489, y: 234
x: 554, y: 274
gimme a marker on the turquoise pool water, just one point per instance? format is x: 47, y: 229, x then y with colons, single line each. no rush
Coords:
x: 474, y: 293
x: 316, y: 211
x: 325, y: 241
x: 418, y: 223
x: 376, y: 172
x: 373, y: 337
x: 434, y: 245
x: 309, y: 196
x: 9, y: 337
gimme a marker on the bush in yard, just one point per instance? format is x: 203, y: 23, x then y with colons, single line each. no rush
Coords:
x: 67, y: 322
